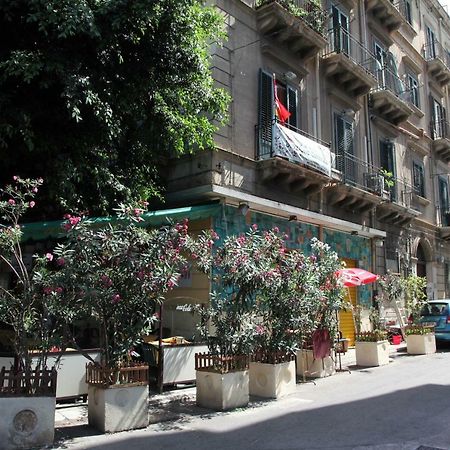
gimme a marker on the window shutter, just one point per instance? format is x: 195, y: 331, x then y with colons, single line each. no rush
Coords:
x: 265, y: 114
x: 292, y: 98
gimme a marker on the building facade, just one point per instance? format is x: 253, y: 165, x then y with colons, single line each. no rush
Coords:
x: 360, y: 155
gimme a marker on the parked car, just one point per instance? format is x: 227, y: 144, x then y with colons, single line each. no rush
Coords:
x: 438, y: 312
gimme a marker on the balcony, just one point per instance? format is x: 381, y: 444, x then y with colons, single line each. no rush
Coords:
x: 387, y: 13
x: 387, y: 100
x: 398, y: 209
x: 438, y: 62
x: 361, y: 186
x: 290, y: 158
x: 349, y: 64
x: 440, y: 133
x: 297, y: 24
x: 444, y: 222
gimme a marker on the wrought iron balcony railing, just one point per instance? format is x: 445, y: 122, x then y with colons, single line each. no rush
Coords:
x: 341, y: 41
x: 389, y: 80
x: 365, y: 176
x: 311, y: 12
x: 434, y: 50
x: 440, y: 129
x: 443, y: 215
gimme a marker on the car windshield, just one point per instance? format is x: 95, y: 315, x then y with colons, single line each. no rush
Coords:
x: 435, y: 309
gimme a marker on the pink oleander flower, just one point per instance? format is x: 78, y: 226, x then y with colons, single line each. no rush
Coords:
x: 60, y: 261
x: 47, y: 290
x: 115, y: 299
x: 276, y: 230
x: 35, y: 189
x: 15, y: 177
x: 11, y: 202
x: 170, y: 284
x: 31, y: 204
x: 106, y: 281
x: 74, y: 220
x: 67, y: 216
x: 49, y: 256
x: 254, y: 227
x: 58, y: 290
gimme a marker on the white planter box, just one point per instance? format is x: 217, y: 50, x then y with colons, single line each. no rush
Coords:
x: 314, y: 368
x: 369, y: 354
x: 26, y: 422
x: 222, y: 391
x: 272, y: 380
x: 117, y: 408
x: 421, y: 344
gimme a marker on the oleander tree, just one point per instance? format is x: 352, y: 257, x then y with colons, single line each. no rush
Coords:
x: 97, y: 95
x: 115, y: 275
x: 22, y: 304
x: 266, y: 298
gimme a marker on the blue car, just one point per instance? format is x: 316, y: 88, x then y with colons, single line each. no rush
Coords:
x: 438, y: 312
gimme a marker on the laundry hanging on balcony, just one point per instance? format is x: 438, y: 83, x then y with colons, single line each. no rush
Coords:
x: 298, y: 148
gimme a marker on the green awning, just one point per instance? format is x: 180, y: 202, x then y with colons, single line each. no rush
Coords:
x: 39, y: 231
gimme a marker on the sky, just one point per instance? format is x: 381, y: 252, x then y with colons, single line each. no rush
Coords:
x: 445, y: 4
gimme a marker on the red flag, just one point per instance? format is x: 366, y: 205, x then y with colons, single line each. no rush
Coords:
x: 281, y: 111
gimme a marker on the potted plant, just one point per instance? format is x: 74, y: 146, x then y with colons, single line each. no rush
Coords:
x: 229, y: 324
x: 322, y: 295
x: 272, y: 365
x: 420, y: 339
x: 116, y: 274
x: 28, y: 387
x: 372, y: 347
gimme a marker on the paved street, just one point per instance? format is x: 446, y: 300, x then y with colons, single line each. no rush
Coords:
x: 405, y: 405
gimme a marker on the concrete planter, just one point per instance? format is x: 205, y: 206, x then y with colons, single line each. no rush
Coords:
x: 370, y: 354
x: 314, y: 368
x: 117, y: 408
x: 272, y: 380
x: 26, y: 422
x: 421, y: 344
x: 222, y: 391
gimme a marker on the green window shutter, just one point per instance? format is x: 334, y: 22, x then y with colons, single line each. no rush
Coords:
x: 265, y: 114
x: 418, y: 179
x: 292, y: 106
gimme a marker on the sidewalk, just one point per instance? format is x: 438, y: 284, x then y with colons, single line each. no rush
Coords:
x: 172, y: 404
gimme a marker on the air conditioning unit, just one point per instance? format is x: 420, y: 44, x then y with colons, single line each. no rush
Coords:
x: 374, y: 182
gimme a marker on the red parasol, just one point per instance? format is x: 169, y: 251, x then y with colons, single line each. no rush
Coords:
x: 356, y: 277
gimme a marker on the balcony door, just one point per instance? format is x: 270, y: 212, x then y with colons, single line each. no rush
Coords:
x: 266, y: 110
x: 438, y: 119
x: 387, y: 163
x: 430, y: 52
x: 381, y: 57
x: 341, y: 31
x: 443, y: 201
x: 345, y: 159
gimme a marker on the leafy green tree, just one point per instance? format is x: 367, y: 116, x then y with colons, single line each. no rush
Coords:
x: 95, y: 95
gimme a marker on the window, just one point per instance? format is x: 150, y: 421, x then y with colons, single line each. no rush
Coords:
x: 418, y: 179
x: 266, y: 113
x: 430, y: 48
x: 443, y: 201
x: 438, y: 119
x: 343, y: 136
x: 413, y: 88
x: 341, y: 35
x: 387, y: 163
x: 408, y: 12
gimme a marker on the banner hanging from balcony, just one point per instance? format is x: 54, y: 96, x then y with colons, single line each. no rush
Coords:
x: 295, y: 147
